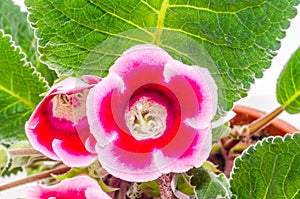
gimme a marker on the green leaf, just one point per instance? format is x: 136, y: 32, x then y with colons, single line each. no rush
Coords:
x: 151, y: 188
x: 184, y: 184
x: 208, y: 185
x: 210, y: 167
x: 20, y: 87
x: 235, y: 39
x: 288, y: 85
x: 4, y: 158
x: 220, y: 132
x: 15, y: 163
x: 270, y: 169
x: 71, y: 173
x: 14, y: 22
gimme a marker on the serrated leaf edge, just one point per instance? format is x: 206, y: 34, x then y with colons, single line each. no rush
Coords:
x: 260, y: 143
x: 26, y: 64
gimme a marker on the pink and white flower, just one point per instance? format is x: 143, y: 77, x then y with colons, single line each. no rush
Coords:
x: 80, y: 187
x: 58, y: 127
x: 152, y: 115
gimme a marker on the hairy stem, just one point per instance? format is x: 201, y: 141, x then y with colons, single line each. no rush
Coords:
x: 24, y: 152
x: 165, y: 188
x: 255, y: 126
x: 228, y: 162
x: 264, y: 121
x: 43, y: 175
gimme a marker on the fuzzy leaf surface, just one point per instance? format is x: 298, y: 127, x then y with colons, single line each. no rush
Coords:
x: 288, y: 85
x: 20, y: 87
x: 268, y: 170
x: 208, y: 185
x: 235, y: 39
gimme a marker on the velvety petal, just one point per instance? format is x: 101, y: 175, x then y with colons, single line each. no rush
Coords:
x: 185, y: 92
x: 41, y: 142
x: 72, y: 156
x: 134, y: 167
x: 189, y: 149
x: 140, y: 55
x: 91, y: 79
x: 99, y: 109
x: 203, y: 89
x: 90, y: 144
x: 43, y: 127
x: 69, y: 85
x: 80, y: 187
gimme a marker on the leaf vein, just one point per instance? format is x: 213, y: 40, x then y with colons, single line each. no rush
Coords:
x: 21, y: 99
x: 211, y: 10
x: 149, y: 6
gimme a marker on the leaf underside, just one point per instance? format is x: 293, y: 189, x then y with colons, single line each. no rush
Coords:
x: 235, y: 39
x: 288, y: 85
x: 20, y: 87
x: 270, y: 169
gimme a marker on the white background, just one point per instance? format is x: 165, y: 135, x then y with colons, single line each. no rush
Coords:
x: 262, y: 95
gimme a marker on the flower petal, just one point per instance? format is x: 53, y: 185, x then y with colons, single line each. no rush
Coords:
x: 41, y: 142
x: 45, y: 125
x: 134, y: 167
x: 81, y: 187
x: 91, y: 79
x: 72, y: 156
x: 69, y: 85
x: 185, y: 99
x: 190, y: 148
x: 203, y: 89
x: 100, y: 118
x: 140, y: 55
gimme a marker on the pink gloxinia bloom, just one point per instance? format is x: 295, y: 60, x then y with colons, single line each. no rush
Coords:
x: 152, y: 115
x: 58, y: 127
x: 80, y: 187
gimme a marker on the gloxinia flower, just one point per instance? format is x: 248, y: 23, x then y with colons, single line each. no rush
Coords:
x: 152, y: 115
x: 80, y: 187
x: 58, y: 127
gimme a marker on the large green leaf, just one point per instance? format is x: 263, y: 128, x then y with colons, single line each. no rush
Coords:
x: 234, y: 39
x: 14, y: 22
x: 288, y: 85
x: 208, y: 185
x: 20, y: 87
x: 270, y: 169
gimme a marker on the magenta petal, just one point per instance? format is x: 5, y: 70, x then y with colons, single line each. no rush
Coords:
x: 80, y: 187
x: 79, y: 158
x: 151, y: 115
x: 69, y: 85
x: 140, y: 55
x: 101, y: 93
x: 204, y: 90
x: 90, y: 144
x: 35, y: 140
x: 91, y: 79
x: 134, y: 167
x: 189, y: 149
x: 45, y: 125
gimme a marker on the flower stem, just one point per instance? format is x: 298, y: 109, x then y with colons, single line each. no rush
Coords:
x: 24, y: 152
x: 43, y: 175
x: 228, y: 162
x: 264, y: 121
x: 165, y: 188
x: 255, y: 126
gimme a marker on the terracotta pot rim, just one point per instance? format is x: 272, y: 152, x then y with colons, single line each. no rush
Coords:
x: 280, y: 125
